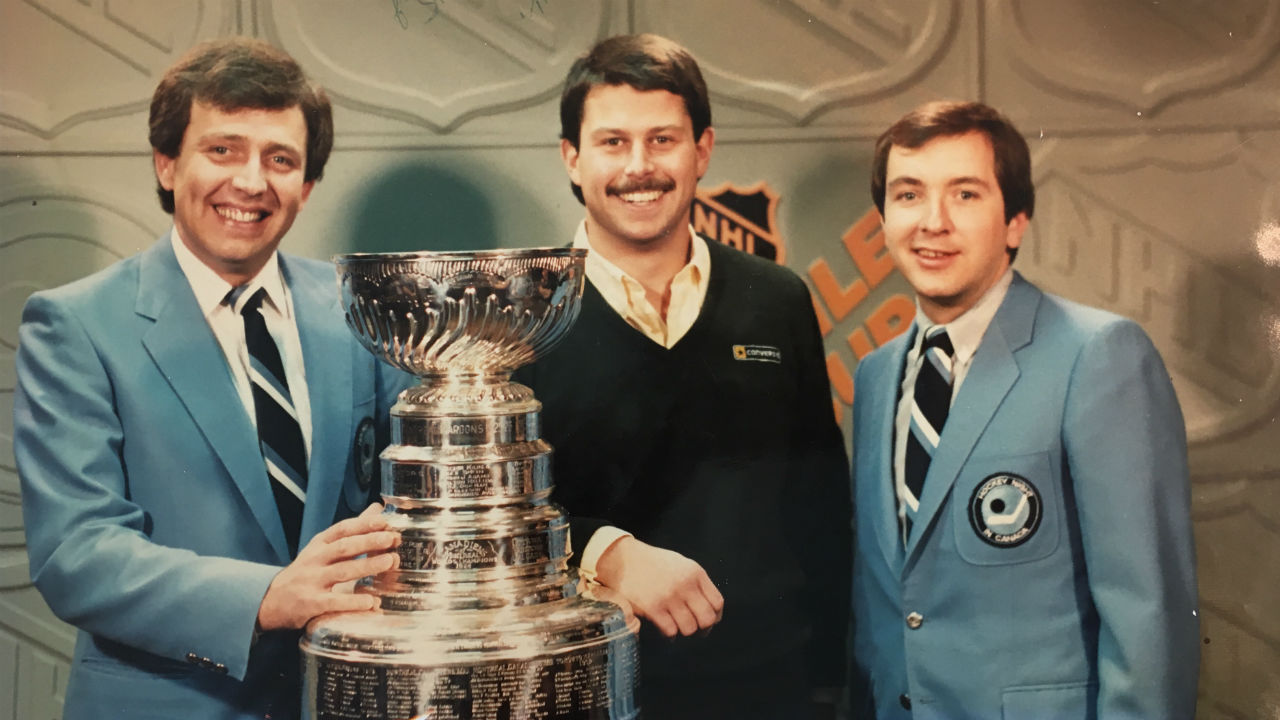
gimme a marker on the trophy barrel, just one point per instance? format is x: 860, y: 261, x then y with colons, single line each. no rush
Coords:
x: 483, y: 619
x: 570, y: 658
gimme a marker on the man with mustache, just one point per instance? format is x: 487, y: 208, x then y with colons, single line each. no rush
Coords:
x: 696, y: 450
x: 191, y: 422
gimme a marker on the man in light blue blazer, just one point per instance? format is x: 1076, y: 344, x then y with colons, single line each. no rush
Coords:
x: 153, y: 522
x: 1023, y: 541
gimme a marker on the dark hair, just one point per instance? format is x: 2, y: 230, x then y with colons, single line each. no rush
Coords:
x: 949, y: 119
x: 235, y: 74
x: 645, y: 62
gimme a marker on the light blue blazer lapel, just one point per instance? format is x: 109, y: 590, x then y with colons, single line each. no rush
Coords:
x: 991, y: 375
x: 328, y: 364
x: 188, y: 355
x: 883, y: 397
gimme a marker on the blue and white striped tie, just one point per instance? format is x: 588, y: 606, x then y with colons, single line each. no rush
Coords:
x: 930, y: 403
x: 279, y: 432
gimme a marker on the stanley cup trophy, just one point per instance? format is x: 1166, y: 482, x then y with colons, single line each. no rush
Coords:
x: 483, y: 619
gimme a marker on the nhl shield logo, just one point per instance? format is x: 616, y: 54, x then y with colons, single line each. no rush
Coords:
x: 746, y: 218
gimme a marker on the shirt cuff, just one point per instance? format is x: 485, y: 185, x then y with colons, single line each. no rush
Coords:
x: 601, y: 540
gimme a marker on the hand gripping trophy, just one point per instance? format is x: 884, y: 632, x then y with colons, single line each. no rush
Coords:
x: 484, y: 618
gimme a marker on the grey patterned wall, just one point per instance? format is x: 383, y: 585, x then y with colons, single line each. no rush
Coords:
x: 1155, y: 126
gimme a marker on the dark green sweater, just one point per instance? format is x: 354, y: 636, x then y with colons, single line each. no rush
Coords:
x: 723, y: 448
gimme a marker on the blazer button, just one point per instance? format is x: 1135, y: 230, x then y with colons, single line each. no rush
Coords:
x: 193, y: 658
x: 915, y: 620
x: 220, y: 669
x: 905, y: 701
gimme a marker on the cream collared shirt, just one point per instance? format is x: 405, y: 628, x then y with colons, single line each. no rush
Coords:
x: 627, y: 298
x: 965, y: 333
x: 626, y: 295
x: 228, y: 327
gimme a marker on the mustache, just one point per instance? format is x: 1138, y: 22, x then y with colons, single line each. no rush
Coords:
x: 659, y: 184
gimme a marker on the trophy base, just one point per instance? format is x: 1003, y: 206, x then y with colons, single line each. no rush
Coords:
x: 575, y: 659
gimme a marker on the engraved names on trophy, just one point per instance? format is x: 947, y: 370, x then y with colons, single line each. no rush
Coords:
x: 571, y: 686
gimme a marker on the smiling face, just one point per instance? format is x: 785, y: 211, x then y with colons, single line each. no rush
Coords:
x: 238, y: 185
x: 944, y: 222
x: 638, y: 166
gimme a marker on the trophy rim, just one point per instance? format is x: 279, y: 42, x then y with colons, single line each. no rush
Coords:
x: 421, y: 328
x: 453, y: 255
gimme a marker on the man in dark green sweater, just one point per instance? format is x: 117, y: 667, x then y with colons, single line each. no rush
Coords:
x: 697, y: 454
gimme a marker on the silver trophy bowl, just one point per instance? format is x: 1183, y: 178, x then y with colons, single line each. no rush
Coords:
x: 484, y: 618
x: 461, y: 313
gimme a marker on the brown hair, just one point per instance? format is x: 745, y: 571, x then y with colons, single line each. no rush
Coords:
x: 949, y: 119
x: 234, y: 74
x: 645, y: 62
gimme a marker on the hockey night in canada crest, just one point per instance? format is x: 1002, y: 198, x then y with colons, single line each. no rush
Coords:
x: 1005, y: 510
x: 745, y: 218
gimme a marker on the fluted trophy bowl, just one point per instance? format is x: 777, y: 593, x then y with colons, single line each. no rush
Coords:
x: 478, y: 313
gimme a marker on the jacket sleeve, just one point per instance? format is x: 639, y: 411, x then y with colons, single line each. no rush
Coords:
x: 1127, y: 456
x: 90, y: 552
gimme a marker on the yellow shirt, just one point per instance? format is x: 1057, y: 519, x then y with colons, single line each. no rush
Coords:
x: 626, y: 295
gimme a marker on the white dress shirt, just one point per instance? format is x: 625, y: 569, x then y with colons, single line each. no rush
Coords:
x: 228, y: 327
x: 965, y: 333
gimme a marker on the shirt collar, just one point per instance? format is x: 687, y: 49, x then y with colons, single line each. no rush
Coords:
x: 966, y: 331
x: 606, y: 276
x: 210, y: 289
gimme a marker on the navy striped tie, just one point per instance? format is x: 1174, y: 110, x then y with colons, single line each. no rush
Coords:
x: 930, y: 403
x: 279, y: 433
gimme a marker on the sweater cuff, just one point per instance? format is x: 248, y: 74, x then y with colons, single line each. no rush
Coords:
x: 601, y: 540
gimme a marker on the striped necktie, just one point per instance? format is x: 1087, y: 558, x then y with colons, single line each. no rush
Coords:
x: 279, y: 433
x: 930, y: 403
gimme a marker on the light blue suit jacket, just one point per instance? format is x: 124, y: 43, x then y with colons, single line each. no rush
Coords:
x: 1093, y: 613
x: 150, y: 522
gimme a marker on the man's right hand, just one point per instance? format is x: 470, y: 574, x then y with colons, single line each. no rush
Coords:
x: 305, y: 588
x: 666, y: 588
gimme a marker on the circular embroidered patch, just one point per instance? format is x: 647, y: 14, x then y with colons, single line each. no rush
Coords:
x: 363, y: 448
x: 1005, y: 510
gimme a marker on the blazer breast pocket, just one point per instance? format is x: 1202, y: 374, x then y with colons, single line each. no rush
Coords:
x: 1007, y: 509
x: 364, y: 398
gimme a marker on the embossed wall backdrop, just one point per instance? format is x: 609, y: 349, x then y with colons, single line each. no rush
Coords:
x: 1155, y: 128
